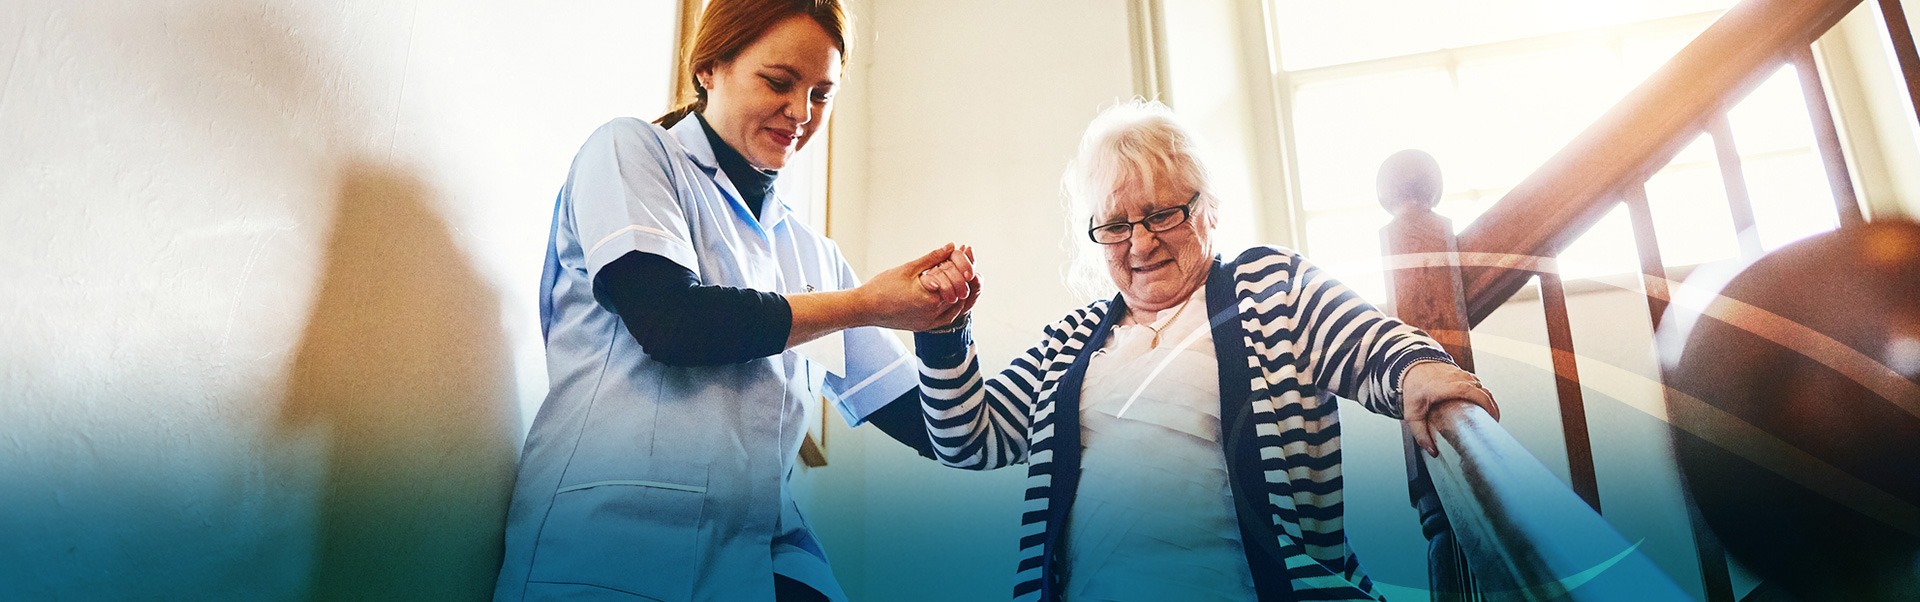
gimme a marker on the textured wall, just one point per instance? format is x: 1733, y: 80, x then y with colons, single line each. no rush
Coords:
x: 268, y: 276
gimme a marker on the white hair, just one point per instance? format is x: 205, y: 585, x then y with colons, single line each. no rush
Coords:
x: 1128, y: 144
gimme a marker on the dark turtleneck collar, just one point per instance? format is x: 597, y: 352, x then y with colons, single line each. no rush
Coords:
x: 755, y: 184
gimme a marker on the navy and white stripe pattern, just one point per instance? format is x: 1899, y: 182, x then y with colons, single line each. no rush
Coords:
x: 1302, y: 338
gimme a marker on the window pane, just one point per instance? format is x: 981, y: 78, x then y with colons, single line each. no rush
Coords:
x: 1318, y: 33
x: 1605, y: 249
x: 1347, y: 245
x: 1518, y: 110
x: 1691, y: 219
x: 1774, y: 133
x: 1464, y: 210
x: 1492, y: 115
x: 1773, y: 117
x: 1345, y: 128
x: 1791, y: 199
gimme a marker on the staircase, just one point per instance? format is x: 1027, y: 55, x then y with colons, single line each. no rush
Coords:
x: 1500, y: 525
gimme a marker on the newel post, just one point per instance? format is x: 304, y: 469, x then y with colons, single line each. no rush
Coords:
x: 1422, y: 253
x: 1422, y: 262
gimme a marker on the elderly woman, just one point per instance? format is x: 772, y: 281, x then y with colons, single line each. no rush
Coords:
x: 1123, y: 410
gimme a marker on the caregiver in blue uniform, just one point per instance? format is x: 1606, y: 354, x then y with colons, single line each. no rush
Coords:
x: 676, y: 289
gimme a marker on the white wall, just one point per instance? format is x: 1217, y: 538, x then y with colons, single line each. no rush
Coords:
x: 269, y: 274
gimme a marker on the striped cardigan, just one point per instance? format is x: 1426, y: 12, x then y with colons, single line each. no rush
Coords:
x: 1287, y: 337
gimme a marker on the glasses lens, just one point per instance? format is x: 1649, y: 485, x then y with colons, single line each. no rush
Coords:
x: 1166, y: 219
x: 1112, y: 233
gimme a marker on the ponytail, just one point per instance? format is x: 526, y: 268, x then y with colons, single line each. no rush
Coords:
x: 698, y: 105
x: 673, y: 117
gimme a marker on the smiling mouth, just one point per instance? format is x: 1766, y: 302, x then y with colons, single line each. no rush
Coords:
x: 1152, y: 266
x: 787, y: 138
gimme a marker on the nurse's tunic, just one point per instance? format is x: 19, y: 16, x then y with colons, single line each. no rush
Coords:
x: 645, y: 481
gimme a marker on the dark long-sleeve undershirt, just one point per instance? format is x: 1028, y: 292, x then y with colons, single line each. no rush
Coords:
x: 679, y: 322
x: 904, y: 421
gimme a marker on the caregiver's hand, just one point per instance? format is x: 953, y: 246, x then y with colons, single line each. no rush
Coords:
x: 904, y: 299
x: 895, y: 298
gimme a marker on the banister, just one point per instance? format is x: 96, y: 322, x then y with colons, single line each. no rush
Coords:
x: 1429, y: 297
x: 1563, y: 198
x: 1508, y: 511
x: 1526, y: 535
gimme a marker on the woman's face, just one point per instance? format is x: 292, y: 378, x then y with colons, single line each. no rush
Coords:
x: 1158, y: 270
x: 770, y: 99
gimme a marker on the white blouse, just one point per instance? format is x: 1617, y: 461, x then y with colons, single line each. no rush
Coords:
x: 1153, y: 517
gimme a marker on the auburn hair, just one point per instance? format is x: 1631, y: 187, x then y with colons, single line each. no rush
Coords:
x: 728, y: 27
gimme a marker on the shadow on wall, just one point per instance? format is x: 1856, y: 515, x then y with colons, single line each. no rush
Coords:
x: 403, y: 365
x: 181, y: 142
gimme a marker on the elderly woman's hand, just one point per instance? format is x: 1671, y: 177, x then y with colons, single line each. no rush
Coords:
x: 902, y: 298
x: 1426, y: 385
x: 954, y: 279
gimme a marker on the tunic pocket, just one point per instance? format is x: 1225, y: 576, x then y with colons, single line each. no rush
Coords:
x: 628, y: 536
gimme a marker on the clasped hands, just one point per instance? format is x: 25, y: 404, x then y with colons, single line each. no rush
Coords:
x: 927, y: 293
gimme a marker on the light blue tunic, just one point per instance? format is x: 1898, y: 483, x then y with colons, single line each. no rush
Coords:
x: 669, y: 483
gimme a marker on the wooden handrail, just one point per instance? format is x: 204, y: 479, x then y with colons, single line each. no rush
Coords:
x: 1529, y: 536
x: 1573, y: 190
x: 1525, y: 534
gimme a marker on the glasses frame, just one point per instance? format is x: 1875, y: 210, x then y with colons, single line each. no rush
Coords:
x: 1186, y: 213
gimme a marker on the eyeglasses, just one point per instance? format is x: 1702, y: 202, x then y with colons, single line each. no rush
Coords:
x: 1158, y: 221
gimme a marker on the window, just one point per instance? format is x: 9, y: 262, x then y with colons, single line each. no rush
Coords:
x: 1493, y: 89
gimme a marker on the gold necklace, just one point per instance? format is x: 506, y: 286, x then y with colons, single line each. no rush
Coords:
x: 1155, y: 343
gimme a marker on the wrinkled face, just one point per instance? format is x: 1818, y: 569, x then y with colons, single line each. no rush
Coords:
x: 768, y: 101
x: 1158, y: 270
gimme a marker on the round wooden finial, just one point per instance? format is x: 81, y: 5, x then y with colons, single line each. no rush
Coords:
x: 1410, y: 179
